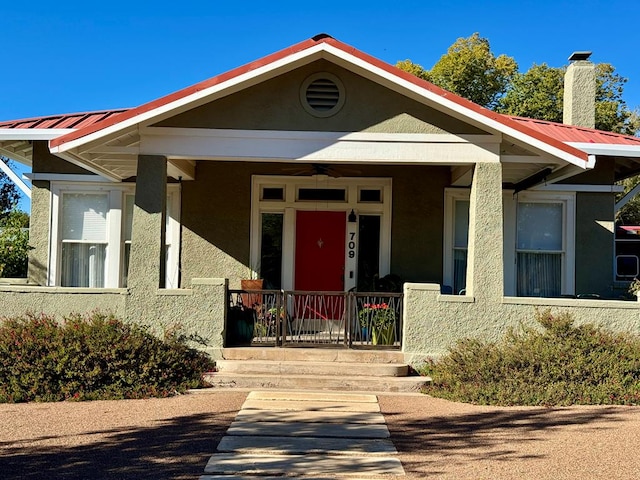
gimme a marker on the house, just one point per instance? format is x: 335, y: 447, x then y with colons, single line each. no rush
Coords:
x: 320, y: 170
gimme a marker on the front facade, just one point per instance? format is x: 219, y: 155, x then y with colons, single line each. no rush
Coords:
x: 321, y: 170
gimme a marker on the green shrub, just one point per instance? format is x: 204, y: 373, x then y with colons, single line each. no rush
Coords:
x: 92, y: 357
x: 560, y: 364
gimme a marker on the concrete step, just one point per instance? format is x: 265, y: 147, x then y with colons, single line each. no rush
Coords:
x: 316, y: 382
x: 296, y: 354
x: 306, y: 367
x: 286, y: 445
x: 302, y: 465
x: 241, y: 428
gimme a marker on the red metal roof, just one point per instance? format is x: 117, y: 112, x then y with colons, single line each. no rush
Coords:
x: 570, y: 133
x: 69, y: 120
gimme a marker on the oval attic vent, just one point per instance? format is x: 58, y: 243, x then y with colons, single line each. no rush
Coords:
x: 322, y: 95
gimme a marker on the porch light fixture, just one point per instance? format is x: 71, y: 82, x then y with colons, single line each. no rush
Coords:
x: 352, y: 217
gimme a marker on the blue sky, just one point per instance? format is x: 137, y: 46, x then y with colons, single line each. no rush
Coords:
x: 63, y: 57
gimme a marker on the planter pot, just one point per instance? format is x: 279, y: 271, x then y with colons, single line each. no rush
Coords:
x: 251, y: 299
x: 383, y: 336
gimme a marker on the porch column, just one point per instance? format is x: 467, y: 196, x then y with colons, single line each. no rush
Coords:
x: 147, y: 263
x: 485, y: 266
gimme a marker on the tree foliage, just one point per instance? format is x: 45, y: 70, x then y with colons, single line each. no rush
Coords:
x: 9, y: 194
x: 538, y: 93
x: 14, y: 244
x: 469, y: 69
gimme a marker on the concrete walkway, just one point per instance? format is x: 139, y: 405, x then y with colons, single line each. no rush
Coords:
x: 305, y: 434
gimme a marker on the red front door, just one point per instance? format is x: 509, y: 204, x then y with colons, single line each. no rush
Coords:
x: 320, y: 250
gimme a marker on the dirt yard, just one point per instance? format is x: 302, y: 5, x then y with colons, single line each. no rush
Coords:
x: 173, y: 438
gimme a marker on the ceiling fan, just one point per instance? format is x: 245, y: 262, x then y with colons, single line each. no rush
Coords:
x: 311, y: 169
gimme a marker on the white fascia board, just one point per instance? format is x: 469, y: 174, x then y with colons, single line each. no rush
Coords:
x: 319, y: 135
x: 565, y: 187
x: 32, y: 133
x: 290, y: 61
x: 65, y: 177
x: 607, y: 149
x: 455, y: 107
x: 315, y: 147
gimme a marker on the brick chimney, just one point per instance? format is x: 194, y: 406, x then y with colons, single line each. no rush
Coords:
x: 580, y: 91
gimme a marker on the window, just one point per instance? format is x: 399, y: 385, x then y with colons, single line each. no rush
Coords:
x: 456, y: 239
x: 83, y: 240
x: 92, y: 235
x: 540, y: 249
x: 460, y: 242
x: 539, y: 257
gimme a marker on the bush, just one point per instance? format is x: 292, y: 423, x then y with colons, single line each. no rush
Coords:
x: 92, y: 357
x: 14, y: 244
x: 561, y: 364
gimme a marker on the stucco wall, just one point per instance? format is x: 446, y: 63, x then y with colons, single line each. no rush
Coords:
x: 199, y: 311
x: 45, y: 162
x: 594, y: 243
x: 275, y: 104
x: 433, y: 322
x: 216, y: 210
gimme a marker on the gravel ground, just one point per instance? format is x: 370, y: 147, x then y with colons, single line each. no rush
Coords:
x: 447, y: 440
x: 173, y: 438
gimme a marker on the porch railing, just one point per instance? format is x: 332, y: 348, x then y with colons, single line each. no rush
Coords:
x: 302, y: 318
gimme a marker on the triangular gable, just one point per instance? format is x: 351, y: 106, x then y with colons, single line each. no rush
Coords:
x: 322, y: 46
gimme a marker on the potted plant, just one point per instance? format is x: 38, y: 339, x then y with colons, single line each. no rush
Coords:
x: 380, y: 320
x: 634, y: 288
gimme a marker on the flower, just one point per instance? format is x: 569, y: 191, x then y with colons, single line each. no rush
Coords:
x: 376, y: 315
x: 634, y: 287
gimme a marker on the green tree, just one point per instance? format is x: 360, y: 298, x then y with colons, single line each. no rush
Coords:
x: 538, y: 93
x: 9, y: 194
x: 469, y: 69
x: 14, y: 244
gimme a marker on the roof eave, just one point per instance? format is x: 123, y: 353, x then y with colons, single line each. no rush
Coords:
x: 606, y: 149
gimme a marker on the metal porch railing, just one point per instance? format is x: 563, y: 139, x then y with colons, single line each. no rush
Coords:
x: 303, y: 318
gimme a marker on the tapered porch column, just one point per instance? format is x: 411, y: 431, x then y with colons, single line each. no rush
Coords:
x: 485, y: 268
x: 147, y: 263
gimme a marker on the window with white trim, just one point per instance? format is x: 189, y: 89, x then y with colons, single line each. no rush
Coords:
x: 83, y: 242
x: 539, y: 249
x: 92, y: 235
x: 539, y: 257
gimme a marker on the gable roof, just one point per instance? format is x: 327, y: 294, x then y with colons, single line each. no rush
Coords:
x: 68, y: 132
x: 322, y: 46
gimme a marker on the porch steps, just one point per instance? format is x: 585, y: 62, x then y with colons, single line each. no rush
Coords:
x: 314, y: 369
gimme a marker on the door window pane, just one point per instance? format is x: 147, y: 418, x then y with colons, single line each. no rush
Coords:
x: 271, y: 250
x: 368, y: 251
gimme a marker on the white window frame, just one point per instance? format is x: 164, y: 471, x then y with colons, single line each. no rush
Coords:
x: 568, y: 201
x: 115, y: 230
x: 509, y: 203
x: 290, y: 205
